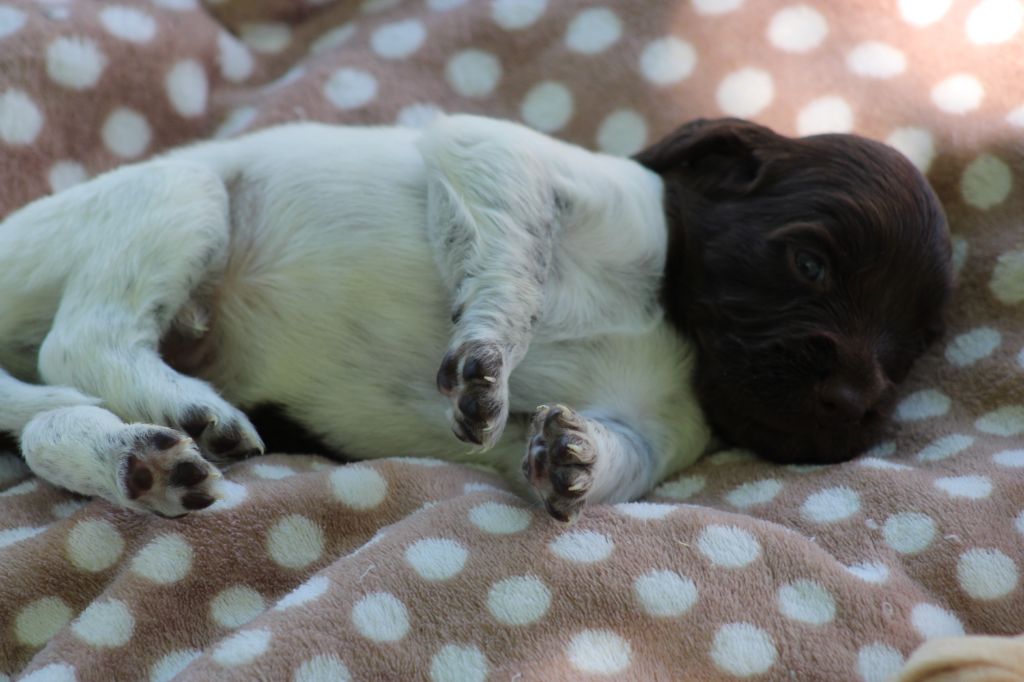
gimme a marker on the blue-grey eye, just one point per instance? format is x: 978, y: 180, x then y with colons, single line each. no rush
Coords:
x: 810, y: 267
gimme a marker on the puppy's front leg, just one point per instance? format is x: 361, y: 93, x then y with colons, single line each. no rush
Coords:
x: 493, y: 215
x: 573, y: 458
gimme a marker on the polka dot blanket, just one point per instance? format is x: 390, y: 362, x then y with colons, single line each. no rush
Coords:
x: 408, y: 569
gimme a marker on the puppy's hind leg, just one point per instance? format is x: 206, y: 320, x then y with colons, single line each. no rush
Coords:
x: 70, y: 442
x: 142, y: 240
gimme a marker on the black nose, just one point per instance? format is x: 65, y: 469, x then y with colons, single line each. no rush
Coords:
x: 842, y: 402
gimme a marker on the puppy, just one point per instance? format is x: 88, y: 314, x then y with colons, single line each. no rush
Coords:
x: 595, y: 319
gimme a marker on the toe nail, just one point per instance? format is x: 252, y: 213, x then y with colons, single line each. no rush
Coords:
x: 573, y: 448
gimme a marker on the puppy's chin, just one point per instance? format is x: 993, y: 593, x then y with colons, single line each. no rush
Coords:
x: 800, y: 441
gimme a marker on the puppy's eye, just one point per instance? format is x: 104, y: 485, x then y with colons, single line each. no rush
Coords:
x: 810, y: 266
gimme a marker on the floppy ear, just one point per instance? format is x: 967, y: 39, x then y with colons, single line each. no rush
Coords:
x: 717, y: 157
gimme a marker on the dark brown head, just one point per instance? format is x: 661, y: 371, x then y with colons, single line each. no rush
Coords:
x: 811, y: 273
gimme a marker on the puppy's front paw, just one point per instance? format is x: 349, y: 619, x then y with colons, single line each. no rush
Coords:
x: 559, y: 461
x: 223, y: 434
x: 164, y: 473
x: 473, y: 376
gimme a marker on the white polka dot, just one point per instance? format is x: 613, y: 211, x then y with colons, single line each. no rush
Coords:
x: 599, y: 652
x: 380, y: 616
x: 187, y: 88
x: 233, y: 58
x: 873, y: 59
x: 994, y: 21
x: 359, y: 487
x: 94, y: 545
x: 20, y: 118
x: 1016, y: 117
x: 233, y: 494
x: 909, y: 532
x: 272, y: 472
x: 418, y: 115
x: 520, y: 600
x: 667, y: 60
x: 959, y: 253
x: 126, y: 133
x: 336, y: 37
x: 517, y: 14
x: 754, y: 493
x: 235, y: 122
x: 170, y: 665
x: 312, y: 589
x: 64, y: 174
x: 108, y: 623
x: 931, y: 621
x: 923, y: 12
x: 645, y: 511
x: 622, y: 133
x: 236, y: 606
x: 713, y: 7
x: 986, y: 182
x: 267, y: 38
x: 454, y: 663
x: 22, y: 488
x: 1010, y: 458
x: 11, y: 20
x: 37, y: 623
x: 986, y: 573
x: 547, y: 106
x: 958, y: 94
x: 128, y: 23
x: 1020, y: 523
x: 743, y: 649
x: 582, y: 546
x: 63, y: 510
x: 74, y: 62
x: 728, y: 546
x: 830, y: 505
x: 398, y: 40
x: 969, y: 347
x: 878, y: 663
x: 9, y: 536
x: 945, y: 447
x: 871, y: 572
x: 473, y: 73
x: 165, y: 560
x: 682, y: 488
x: 883, y: 449
x: 807, y: 602
x: 436, y: 559
x: 444, y: 5
x: 1007, y: 283
x: 177, y: 5
x: 745, y: 93
x: 295, y: 541
x: 500, y: 519
x: 350, y: 88
x: 1006, y: 421
x: 799, y: 28
x: 241, y: 648
x: 922, y: 405
x: 973, y: 487
x: 55, y: 672
x: 593, y: 30
x: 917, y: 144
x: 323, y: 668
x: 665, y: 594
x: 876, y: 463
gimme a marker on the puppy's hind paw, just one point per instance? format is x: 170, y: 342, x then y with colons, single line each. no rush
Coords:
x: 163, y: 473
x: 473, y: 377
x: 559, y: 461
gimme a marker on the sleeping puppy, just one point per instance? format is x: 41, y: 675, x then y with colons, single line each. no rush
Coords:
x: 595, y: 319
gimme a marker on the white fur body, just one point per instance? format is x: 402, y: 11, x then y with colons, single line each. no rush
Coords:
x: 316, y: 268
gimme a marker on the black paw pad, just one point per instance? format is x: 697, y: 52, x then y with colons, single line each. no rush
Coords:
x: 195, y: 421
x: 194, y: 501
x: 139, y: 479
x: 186, y: 474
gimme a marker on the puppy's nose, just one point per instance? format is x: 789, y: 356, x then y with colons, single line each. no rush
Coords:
x: 843, y: 402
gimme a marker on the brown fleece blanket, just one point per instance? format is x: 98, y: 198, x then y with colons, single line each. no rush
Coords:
x: 411, y: 570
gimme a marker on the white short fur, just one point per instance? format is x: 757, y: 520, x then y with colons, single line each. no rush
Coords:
x: 318, y: 267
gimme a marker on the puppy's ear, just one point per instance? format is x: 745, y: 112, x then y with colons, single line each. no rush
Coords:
x: 717, y: 157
